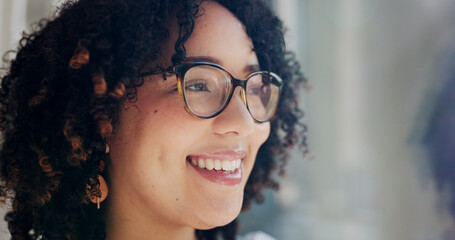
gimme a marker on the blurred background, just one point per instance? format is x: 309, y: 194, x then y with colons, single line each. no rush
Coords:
x: 375, y: 67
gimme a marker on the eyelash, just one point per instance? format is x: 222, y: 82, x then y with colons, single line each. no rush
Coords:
x: 197, y: 83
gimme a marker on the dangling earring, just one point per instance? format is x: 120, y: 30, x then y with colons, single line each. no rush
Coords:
x: 104, y: 191
x: 102, y: 186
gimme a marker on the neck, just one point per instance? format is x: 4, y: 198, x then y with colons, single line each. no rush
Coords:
x: 133, y: 225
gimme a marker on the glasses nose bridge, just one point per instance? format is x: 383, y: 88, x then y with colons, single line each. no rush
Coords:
x: 238, y: 82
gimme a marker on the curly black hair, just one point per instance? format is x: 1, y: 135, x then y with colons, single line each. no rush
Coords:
x: 60, y: 99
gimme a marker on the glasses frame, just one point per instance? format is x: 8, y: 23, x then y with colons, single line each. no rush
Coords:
x: 181, y: 69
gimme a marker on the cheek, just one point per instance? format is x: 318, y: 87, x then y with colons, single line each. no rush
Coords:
x: 261, y: 134
x: 144, y: 124
x: 160, y: 112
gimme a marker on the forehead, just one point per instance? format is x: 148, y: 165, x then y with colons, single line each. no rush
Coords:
x: 220, y: 25
x: 217, y: 34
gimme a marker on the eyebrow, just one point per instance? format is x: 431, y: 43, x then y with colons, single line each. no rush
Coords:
x: 248, y: 68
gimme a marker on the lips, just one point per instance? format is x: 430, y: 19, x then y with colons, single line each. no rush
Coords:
x: 220, y: 167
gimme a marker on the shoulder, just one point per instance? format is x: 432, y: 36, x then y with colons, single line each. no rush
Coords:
x: 256, y: 236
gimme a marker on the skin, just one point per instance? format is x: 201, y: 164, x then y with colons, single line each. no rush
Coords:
x: 153, y: 190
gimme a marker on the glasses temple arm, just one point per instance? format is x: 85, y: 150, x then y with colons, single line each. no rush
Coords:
x: 164, y: 72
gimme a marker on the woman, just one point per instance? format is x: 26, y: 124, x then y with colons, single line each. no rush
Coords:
x: 133, y: 119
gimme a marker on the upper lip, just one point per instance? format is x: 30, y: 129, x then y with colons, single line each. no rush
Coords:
x: 223, y: 154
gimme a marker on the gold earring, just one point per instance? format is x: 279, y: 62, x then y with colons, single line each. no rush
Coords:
x: 102, y: 188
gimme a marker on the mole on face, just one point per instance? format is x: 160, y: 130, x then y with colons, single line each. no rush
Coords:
x: 155, y: 111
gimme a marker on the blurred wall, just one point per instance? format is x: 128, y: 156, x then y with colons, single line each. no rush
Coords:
x: 370, y: 64
x: 17, y: 16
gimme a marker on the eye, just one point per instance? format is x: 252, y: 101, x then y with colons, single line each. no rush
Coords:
x: 256, y: 90
x: 197, y: 85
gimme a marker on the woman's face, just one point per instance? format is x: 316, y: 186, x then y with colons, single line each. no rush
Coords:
x: 152, y: 178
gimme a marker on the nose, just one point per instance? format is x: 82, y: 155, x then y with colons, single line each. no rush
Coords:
x: 235, y: 118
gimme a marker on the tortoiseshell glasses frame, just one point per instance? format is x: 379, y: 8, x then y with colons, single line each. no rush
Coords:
x: 266, y: 94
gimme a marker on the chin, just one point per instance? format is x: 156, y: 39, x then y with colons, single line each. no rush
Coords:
x: 218, y: 219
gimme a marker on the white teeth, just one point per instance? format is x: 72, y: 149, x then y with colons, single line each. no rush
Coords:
x: 217, y: 163
x: 209, y: 164
x: 201, y: 163
x: 225, y: 166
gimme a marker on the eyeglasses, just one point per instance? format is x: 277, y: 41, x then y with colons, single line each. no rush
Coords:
x: 206, y: 88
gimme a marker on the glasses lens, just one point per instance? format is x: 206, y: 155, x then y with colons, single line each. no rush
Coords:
x: 206, y: 89
x: 262, y: 95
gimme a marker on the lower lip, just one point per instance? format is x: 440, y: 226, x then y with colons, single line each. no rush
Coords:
x: 228, y: 179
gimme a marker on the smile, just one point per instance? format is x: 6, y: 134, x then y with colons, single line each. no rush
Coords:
x: 225, y: 166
